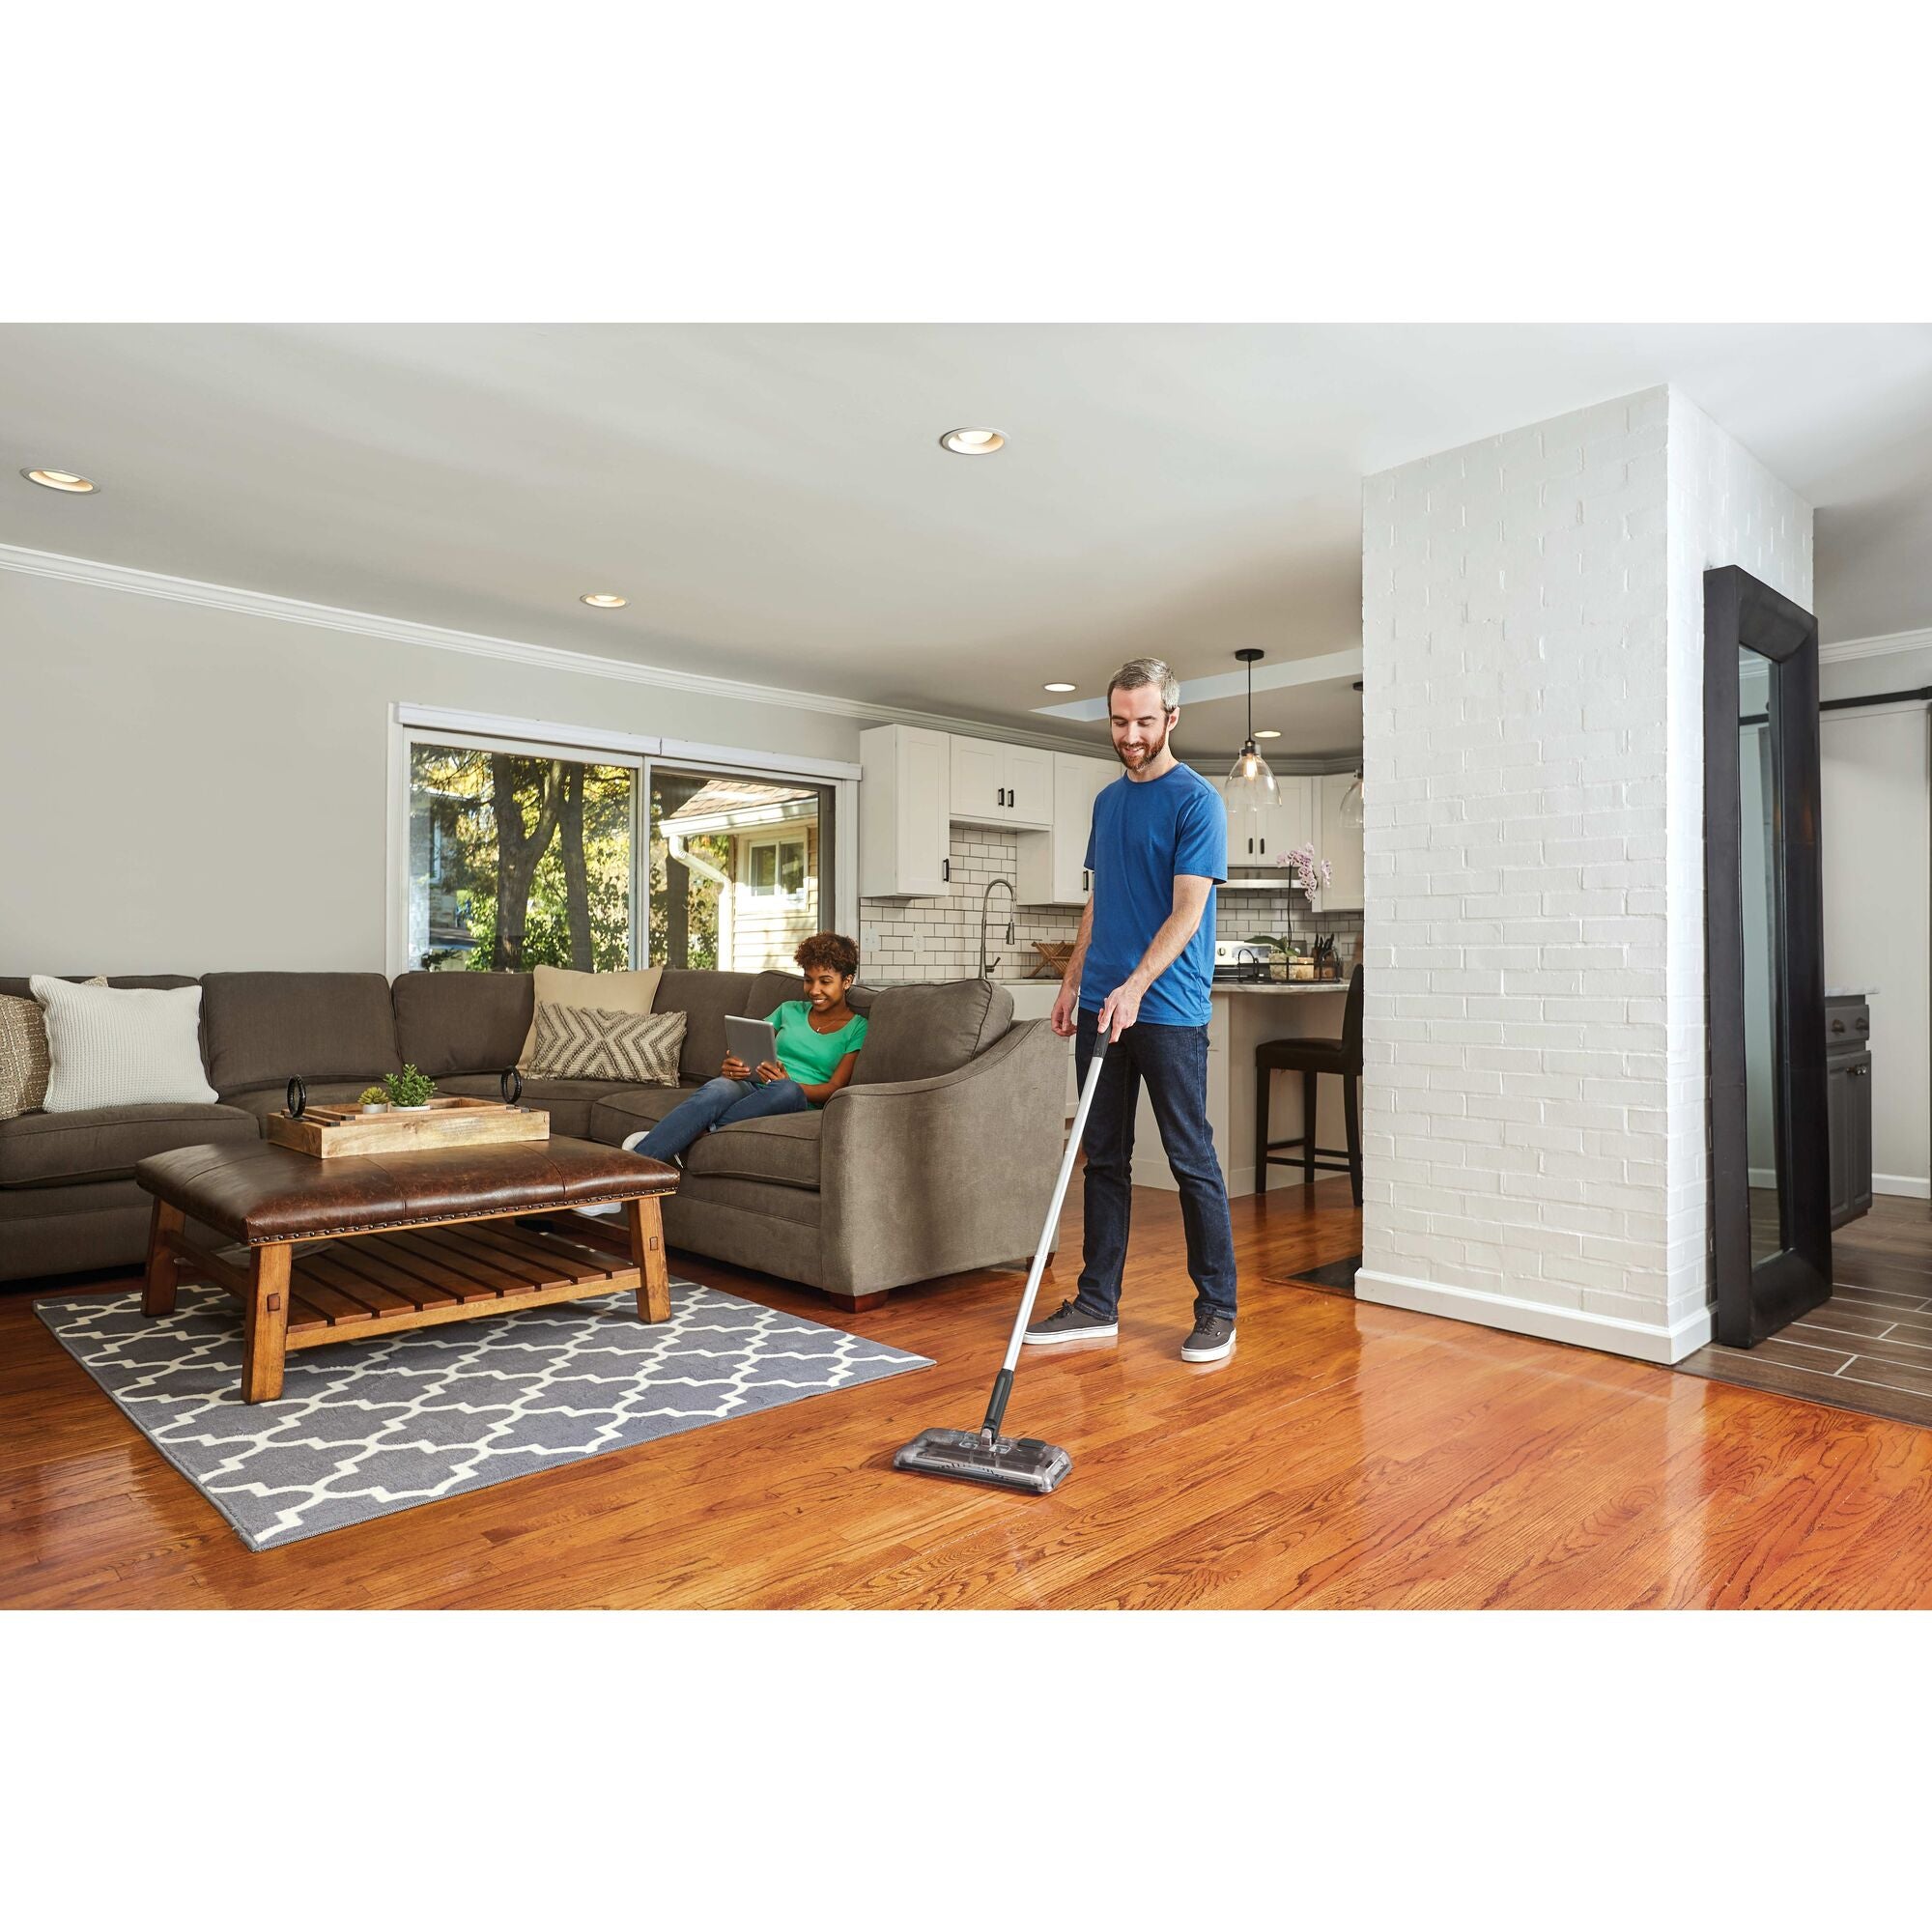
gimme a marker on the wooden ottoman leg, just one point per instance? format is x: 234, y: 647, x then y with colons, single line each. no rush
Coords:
x: 647, y: 1250
x: 157, y: 1292
x: 265, y: 1336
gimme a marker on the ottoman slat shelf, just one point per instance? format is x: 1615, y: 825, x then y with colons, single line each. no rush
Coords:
x: 411, y: 1239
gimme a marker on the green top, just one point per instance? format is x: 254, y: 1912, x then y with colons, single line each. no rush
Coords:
x: 810, y: 1056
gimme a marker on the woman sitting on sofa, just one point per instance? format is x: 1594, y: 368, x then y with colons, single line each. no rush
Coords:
x: 817, y: 1046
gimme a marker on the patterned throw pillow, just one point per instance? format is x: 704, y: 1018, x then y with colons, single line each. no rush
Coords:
x: 596, y: 1043
x: 23, y: 1055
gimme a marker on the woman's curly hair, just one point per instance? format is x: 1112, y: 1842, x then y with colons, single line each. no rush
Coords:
x: 829, y: 948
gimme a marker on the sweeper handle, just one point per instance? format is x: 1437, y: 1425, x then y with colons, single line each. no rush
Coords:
x: 1002, y: 1383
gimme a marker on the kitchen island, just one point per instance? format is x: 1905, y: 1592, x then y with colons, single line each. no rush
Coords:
x: 1244, y: 1013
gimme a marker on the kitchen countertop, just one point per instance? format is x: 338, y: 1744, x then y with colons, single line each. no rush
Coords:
x: 1280, y: 986
x: 1850, y: 993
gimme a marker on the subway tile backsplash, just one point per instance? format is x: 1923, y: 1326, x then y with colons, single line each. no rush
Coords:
x: 939, y: 938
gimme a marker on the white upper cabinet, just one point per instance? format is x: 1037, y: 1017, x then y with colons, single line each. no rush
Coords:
x: 1257, y: 835
x: 903, y: 811
x: 1052, y: 868
x: 1341, y: 845
x: 1001, y: 784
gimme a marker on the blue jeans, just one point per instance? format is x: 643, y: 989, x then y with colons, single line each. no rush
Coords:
x: 1173, y: 1062
x: 717, y: 1104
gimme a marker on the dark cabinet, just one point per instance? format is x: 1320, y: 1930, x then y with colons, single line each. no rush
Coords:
x: 1849, y: 1104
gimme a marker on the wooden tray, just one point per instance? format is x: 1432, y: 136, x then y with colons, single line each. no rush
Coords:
x: 327, y: 1130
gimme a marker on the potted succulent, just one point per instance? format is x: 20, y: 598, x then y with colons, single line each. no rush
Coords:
x: 372, y: 1100
x: 410, y: 1091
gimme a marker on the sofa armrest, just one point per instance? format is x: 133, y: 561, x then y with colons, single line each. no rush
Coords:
x: 924, y: 1177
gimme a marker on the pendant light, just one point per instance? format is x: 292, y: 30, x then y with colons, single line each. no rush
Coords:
x: 1250, y: 783
x: 1353, y: 814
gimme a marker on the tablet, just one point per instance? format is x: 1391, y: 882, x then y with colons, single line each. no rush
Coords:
x: 754, y: 1041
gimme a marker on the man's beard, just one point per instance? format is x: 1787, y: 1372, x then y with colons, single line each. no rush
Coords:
x: 1152, y: 752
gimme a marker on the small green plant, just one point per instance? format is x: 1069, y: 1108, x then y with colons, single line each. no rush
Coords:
x: 373, y: 1097
x: 409, y: 1088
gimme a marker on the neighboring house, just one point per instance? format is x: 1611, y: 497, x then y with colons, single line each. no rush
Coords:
x: 768, y: 894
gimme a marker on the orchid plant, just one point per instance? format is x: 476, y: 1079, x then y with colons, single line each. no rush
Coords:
x: 1312, y: 875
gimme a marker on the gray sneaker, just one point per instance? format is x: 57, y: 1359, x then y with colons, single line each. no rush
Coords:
x: 1212, y: 1337
x: 1069, y: 1323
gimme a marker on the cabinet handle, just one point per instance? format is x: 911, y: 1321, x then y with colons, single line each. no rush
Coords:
x: 1264, y: 845
x: 946, y: 869
x: 1086, y: 881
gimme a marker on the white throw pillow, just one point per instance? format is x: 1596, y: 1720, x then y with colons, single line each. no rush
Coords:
x: 121, y: 1046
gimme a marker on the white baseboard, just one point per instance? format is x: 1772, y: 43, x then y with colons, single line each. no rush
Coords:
x: 1648, y: 1342
x: 1913, y: 1186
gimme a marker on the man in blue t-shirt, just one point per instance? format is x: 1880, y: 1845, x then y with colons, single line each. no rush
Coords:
x: 1142, y: 968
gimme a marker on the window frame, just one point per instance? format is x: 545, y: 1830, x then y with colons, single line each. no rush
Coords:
x: 777, y: 841
x: 410, y: 724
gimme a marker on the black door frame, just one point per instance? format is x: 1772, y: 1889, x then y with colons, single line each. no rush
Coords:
x: 1740, y: 612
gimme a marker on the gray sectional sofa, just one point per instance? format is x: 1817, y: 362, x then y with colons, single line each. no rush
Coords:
x: 938, y: 1158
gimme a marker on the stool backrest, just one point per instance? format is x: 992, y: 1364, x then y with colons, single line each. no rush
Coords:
x: 1351, y: 1021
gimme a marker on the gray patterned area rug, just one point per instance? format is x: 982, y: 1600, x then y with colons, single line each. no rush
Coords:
x: 365, y: 1429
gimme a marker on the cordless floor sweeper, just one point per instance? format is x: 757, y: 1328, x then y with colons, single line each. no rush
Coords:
x: 983, y: 1455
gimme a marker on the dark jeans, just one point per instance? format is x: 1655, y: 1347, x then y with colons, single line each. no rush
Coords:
x: 1173, y: 1062
x: 716, y: 1104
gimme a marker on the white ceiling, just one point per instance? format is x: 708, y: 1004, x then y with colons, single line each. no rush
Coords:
x: 773, y: 502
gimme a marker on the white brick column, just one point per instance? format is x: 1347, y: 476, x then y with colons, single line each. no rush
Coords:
x: 1534, y: 1132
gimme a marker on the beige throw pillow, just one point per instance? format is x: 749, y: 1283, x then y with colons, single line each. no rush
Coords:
x: 594, y: 1043
x: 609, y: 992
x: 23, y: 1055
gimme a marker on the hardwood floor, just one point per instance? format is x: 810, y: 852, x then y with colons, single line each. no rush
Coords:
x: 1870, y: 1346
x: 1346, y: 1455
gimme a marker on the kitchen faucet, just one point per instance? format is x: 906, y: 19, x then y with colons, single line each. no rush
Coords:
x: 985, y: 906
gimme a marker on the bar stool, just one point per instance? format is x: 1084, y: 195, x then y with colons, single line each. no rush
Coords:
x: 1311, y: 1057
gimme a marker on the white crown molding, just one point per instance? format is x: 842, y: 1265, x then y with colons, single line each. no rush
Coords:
x: 471, y: 643
x: 1896, y: 645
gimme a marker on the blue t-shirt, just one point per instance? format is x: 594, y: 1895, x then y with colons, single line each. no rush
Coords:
x: 1146, y: 831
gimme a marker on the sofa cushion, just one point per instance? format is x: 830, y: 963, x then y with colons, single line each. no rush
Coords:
x: 634, y: 1110
x: 768, y: 992
x: 780, y: 1147
x: 704, y: 999
x: 262, y: 1027
x: 914, y: 1033
x: 103, y: 1142
x: 462, y: 1022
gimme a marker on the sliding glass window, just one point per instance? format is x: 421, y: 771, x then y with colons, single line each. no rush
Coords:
x: 740, y: 868
x: 520, y: 857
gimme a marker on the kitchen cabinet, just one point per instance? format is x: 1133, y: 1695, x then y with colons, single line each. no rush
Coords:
x: 991, y: 784
x: 1339, y: 843
x: 904, y: 810
x: 1257, y: 835
x: 1051, y: 864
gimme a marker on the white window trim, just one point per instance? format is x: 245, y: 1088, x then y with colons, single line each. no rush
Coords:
x: 543, y: 738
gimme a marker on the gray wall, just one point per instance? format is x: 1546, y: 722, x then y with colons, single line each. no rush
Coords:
x: 184, y: 789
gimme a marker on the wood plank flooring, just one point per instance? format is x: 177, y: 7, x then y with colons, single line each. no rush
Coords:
x: 1345, y: 1454
x: 1870, y: 1346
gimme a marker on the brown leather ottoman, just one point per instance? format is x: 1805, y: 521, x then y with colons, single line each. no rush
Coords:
x: 410, y: 1234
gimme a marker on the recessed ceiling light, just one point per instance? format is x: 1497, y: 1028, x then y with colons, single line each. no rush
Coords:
x: 603, y: 600
x: 1267, y: 734
x: 1060, y: 687
x: 972, y: 442
x: 60, y: 479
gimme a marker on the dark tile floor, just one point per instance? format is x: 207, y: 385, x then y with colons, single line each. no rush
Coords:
x: 1868, y: 1347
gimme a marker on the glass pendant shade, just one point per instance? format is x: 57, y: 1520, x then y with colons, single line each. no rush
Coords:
x: 1351, y: 804
x: 1249, y: 780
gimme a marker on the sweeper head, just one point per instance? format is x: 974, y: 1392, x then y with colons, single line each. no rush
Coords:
x: 979, y: 1456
